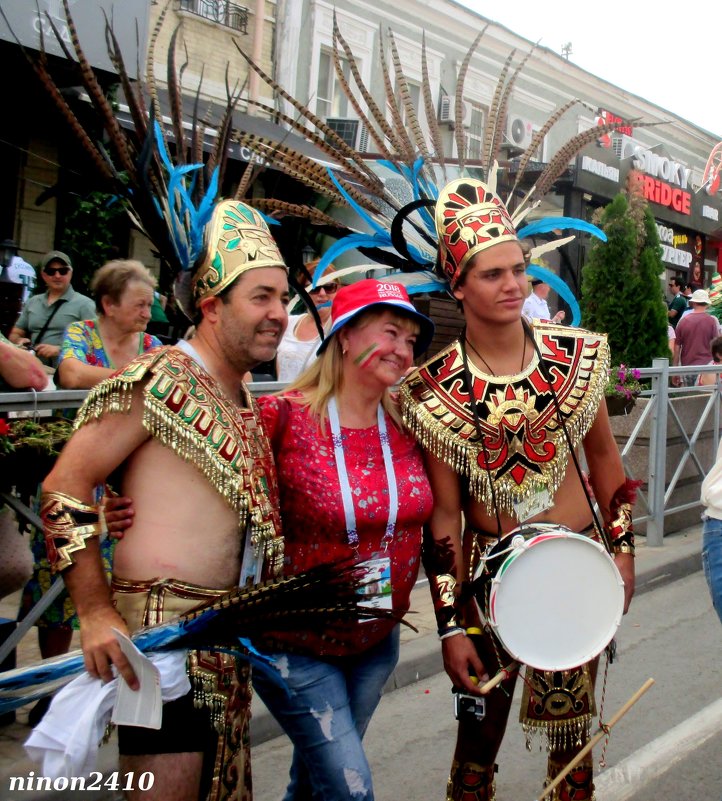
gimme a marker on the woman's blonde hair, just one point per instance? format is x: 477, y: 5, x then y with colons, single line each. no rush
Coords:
x: 324, y: 378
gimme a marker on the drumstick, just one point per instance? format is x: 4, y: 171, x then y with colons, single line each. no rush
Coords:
x: 503, y: 674
x: 601, y: 732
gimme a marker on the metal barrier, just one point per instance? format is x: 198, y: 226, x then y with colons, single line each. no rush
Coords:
x: 658, y: 414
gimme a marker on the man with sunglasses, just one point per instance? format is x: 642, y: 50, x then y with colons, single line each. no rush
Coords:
x: 44, y: 317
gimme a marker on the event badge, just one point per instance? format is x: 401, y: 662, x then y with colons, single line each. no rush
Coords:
x: 534, y: 505
x: 376, y: 589
x: 144, y: 706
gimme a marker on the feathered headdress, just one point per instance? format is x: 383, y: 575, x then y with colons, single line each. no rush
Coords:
x: 170, y: 199
x: 398, y: 204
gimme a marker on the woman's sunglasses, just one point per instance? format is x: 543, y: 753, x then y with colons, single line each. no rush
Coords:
x: 56, y: 270
x: 329, y: 289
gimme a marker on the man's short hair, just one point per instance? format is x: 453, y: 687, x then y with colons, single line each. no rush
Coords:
x: 680, y: 282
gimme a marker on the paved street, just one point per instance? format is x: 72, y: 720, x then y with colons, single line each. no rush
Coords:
x: 666, y: 747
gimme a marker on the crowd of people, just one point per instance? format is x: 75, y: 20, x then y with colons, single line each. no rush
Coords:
x: 338, y: 466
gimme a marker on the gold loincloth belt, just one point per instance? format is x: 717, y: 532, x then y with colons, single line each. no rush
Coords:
x: 218, y: 680
x: 558, y: 703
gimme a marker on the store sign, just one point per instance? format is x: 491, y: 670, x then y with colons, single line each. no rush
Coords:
x: 664, y: 181
x: 605, y: 117
x: 676, y: 248
x: 28, y: 21
x: 600, y: 168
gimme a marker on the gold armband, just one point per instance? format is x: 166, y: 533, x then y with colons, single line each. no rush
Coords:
x: 443, y: 593
x: 620, y: 530
x: 67, y: 523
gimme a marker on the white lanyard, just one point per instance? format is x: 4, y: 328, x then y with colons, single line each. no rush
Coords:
x: 346, y: 496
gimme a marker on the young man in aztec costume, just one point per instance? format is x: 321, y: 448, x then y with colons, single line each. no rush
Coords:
x: 184, y: 429
x: 504, y: 460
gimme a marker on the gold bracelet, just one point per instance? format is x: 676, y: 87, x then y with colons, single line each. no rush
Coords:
x: 444, y: 595
x: 620, y: 529
x: 68, y: 524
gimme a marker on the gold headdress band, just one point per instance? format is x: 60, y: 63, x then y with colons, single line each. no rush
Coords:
x: 470, y: 217
x: 237, y: 240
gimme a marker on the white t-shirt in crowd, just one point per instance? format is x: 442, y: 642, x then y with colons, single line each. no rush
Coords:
x: 294, y: 355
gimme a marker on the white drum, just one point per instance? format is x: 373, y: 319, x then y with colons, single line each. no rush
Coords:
x: 553, y: 598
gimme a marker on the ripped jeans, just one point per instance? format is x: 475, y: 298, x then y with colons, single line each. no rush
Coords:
x: 331, y: 703
x: 712, y: 559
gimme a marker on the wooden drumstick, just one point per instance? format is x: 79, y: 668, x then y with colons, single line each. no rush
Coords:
x: 503, y: 674
x: 601, y: 732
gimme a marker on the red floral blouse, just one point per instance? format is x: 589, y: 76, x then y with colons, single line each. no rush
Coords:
x: 314, y: 524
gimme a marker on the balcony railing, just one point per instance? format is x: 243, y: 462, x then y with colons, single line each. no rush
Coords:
x: 221, y: 11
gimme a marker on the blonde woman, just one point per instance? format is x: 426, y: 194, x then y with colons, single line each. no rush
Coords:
x: 352, y: 485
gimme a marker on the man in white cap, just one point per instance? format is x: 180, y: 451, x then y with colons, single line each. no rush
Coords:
x: 694, y: 333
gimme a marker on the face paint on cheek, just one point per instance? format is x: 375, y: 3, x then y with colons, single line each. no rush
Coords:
x: 364, y: 358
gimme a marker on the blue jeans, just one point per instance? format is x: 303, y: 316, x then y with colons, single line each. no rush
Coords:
x: 331, y: 703
x: 712, y: 560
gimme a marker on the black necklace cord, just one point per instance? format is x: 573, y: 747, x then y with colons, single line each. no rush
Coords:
x: 545, y: 372
x: 479, y: 433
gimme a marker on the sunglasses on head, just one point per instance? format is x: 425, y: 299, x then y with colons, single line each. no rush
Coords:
x: 329, y: 289
x: 56, y: 270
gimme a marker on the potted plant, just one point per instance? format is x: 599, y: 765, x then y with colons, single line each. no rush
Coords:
x: 622, y: 389
x: 28, y: 450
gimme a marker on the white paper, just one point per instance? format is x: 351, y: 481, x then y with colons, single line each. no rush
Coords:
x: 144, y: 706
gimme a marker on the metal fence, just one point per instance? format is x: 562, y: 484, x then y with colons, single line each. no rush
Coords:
x: 660, y: 419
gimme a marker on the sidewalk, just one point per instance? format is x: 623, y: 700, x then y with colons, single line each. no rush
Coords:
x: 420, y: 658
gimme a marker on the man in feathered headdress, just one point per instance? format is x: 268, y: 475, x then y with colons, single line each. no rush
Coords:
x: 505, y: 460
x: 184, y: 429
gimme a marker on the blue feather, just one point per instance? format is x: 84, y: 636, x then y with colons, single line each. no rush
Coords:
x: 547, y: 224
x: 355, y: 206
x: 348, y: 243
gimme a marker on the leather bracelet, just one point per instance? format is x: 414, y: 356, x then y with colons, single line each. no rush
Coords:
x: 68, y: 524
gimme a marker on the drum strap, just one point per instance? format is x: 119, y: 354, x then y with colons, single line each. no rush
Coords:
x: 545, y: 372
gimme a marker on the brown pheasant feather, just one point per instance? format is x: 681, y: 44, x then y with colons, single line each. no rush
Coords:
x: 430, y: 109
x: 150, y: 63
x: 401, y: 140
x: 408, y: 105
x: 537, y: 139
x: 493, y: 122
x: 310, y: 213
x: 133, y: 99
x: 347, y: 159
x: 374, y: 110
x: 503, y: 108
x: 95, y: 91
x: 346, y: 89
x: 459, y: 98
x: 176, y: 99
x: 561, y: 159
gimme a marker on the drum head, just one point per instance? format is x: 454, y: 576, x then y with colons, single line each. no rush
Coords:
x: 557, y: 601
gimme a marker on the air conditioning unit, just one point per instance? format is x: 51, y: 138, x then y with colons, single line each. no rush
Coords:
x: 447, y: 113
x: 351, y: 130
x: 519, y: 132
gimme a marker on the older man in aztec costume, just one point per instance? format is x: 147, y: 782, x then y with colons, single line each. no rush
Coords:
x: 184, y: 429
x: 503, y: 460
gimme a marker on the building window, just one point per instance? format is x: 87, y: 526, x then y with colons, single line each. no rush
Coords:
x: 330, y: 98
x: 221, y: 11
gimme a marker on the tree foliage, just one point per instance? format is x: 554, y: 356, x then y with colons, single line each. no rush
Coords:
x: 622, y: 295
x: 95, y: 231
